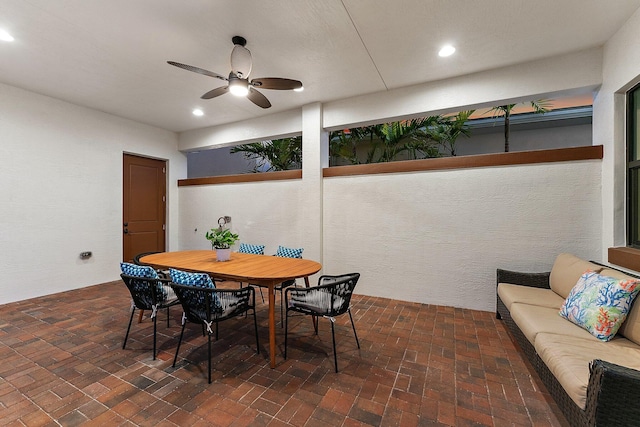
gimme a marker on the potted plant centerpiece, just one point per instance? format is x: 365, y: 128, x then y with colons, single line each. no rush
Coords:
x: 221, y: 240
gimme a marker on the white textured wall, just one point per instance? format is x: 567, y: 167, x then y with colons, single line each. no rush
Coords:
x: 269, y: 213
x: 620, y: 71
x: 438, y: 237
x: 61, y: 192
x: 430, y: 237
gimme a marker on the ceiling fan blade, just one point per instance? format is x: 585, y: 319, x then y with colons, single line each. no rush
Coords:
x: 257, y: 98
x: 241, y: 61
x: 215, y: 92
x: 197, y: 70
x: 276, y: 83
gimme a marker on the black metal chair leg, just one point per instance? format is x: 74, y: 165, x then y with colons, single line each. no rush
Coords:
x: 353, y: 325
x: 168, y: 316
x: 179, y: 342
x: 261, y: 294
x: 335, y: 354
x: 286, y: 330
x: 128, y: 328
x: 245, y: 313
x: 155, y: 330
x: 209, y: 351
x: 281, y: 308
x: 255, y: 325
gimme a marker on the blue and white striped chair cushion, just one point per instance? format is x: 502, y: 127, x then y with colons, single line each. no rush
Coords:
x: 247, y: 248
x: 191, y: 279
x: 143, y: 271
x: 165, y: 293
x: 289, y: 252
x: 201, y: 280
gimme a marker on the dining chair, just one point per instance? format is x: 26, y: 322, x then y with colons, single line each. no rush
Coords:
x: 286, y: 253
x: 161, y: 273
x: 148, y: 292
x: 331, y: 298
x: 207, y: 305
x: 247, y: 248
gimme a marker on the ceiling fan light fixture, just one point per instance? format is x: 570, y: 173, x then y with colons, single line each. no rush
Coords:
x: 238, y: 87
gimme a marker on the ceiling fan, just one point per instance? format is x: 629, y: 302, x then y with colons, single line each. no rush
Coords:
x: 238, y: 79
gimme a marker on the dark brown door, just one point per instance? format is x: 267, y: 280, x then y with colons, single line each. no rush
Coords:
x: 144, y: 211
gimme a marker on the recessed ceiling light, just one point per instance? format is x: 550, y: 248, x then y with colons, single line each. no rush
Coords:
x: 447, y: 50
x: 300, y: 89
x: 4, y: 36
x: 198, y: 112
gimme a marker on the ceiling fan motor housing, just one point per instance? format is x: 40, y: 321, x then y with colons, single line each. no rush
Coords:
x: 239, y: 40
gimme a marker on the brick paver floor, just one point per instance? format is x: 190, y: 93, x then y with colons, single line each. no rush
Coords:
x: 62, y: 363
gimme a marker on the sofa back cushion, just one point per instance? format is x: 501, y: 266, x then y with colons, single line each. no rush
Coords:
x: 566, y: 271
x: 631, y: 326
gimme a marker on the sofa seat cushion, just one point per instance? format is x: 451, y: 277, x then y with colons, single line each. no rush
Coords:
x: 510, y: 294
x: 566, y: 271
x: 568, y: 359
x: 631, y: 326
x: 535, y: 319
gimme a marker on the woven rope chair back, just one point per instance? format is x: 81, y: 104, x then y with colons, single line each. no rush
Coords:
x: 331, y: 297
x: 144, y: 292
x: 212, y: 304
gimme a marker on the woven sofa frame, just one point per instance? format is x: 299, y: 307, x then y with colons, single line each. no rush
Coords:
x: 613, y: 392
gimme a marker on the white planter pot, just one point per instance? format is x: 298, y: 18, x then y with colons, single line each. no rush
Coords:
x: 223, y: 254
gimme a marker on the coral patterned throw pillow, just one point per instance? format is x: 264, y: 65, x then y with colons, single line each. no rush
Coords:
x: 600, y: 304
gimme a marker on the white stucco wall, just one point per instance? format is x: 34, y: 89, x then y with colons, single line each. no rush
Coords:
x: 431, y: 237
x: 270, y: 213
x: 61, y: 192
x: 620, y: 71
x: 438, y: 237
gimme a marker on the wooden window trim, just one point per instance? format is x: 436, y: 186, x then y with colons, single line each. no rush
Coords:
x: 245, y: 177
x: 478, y: 161
x: 625, y: 257
x: 590, y: 152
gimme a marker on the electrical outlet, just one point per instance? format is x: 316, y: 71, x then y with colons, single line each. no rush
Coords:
x: 85, y: 255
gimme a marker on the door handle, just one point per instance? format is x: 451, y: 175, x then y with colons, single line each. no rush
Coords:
x: 126, y: 231
x: 125, y: 224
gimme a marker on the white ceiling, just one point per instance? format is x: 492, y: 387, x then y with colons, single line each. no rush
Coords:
x: 111, y: 55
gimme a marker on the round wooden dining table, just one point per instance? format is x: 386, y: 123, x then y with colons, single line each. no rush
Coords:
x: 262, y: 270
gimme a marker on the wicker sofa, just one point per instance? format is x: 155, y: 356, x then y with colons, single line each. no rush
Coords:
x: 593, y: 382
